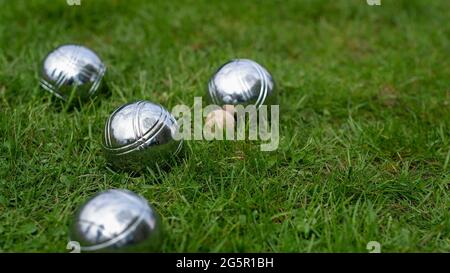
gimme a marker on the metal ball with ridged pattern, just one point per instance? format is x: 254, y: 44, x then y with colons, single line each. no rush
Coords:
x: 242, y: 82
x: 139, y: 135
x: 117, y: 220
x: 72, y: 70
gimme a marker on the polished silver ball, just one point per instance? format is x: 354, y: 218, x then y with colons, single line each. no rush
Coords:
x: 242, y: 82
x: 139, y: 135
x: 117, y: 221
x: 72, y: 68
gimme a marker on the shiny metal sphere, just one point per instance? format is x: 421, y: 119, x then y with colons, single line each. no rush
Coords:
x: 72, y: 68
x: 117, y: 221
x: 140, y: 134
x: 242, y: 82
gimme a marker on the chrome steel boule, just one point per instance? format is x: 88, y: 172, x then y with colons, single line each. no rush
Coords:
x: 139, y: 135
x: 117, y: 220
x: 72, y: 68
x: 242, y: 82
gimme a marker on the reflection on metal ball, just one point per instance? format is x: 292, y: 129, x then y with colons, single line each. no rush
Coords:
x: 72, y: 68
x: 117, y: 221
x: 139, y: 135
x: 242, y: 82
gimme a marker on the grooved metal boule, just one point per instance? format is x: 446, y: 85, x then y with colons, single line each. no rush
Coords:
x: 117, y: 220
x: 139, y: 135
x: 242, y: 82
x: 72, y: 68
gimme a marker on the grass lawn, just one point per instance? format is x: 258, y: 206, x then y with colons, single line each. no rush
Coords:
x: 364, y: 153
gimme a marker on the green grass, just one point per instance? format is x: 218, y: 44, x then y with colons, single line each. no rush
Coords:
x: 365, y: 125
